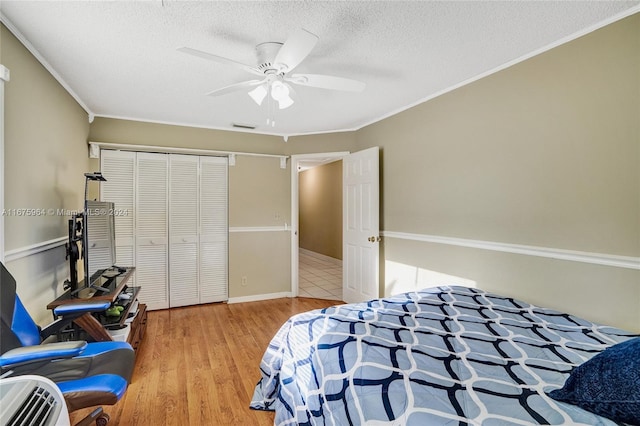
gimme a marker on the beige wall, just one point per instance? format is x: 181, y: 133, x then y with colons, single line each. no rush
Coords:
x: 264, y: 258
x: 545, y: 153
x: 259, y: 193
x: 330, y: 142
x: 603, y: 294
x: 320, y: 209
x: 45, y: 160
x: 45, y: 148
x: 259, y: 196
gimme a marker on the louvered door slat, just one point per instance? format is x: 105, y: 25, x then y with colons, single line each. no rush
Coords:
x: 184, y: 289
x: 119, y: 167
x: 183, y: 230
x: 151, y: 206
x: 151, y: 229
x: 99, y: 229
x: 213, y: 272
x: 213, y: 229
x: 151, y: 273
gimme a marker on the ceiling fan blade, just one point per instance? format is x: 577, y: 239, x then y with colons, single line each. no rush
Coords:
x: 295, y: 49
x: 220, y: 59
x: 327, y: 82
x: 235, y: 87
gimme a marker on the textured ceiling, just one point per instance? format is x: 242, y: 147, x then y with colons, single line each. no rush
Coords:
x: 119, y: 59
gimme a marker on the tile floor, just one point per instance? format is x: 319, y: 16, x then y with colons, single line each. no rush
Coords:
x: 320, y: 276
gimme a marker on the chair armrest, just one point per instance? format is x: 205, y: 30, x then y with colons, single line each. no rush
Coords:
x: 69, y: 312
x: 80, y: 308
x: 47, y: 352
x: 97, y: 385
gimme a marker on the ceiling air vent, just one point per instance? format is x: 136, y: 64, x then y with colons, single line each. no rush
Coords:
x: 243, y: 126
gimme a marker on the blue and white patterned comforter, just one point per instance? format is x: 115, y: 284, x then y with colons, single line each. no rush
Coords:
x: 442, y: 356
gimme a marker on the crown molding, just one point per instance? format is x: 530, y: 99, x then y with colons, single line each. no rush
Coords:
x: 12, y: 28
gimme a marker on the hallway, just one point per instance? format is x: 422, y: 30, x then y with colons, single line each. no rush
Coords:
x: 320, y: 276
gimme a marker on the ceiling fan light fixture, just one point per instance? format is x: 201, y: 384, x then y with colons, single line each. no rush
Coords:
x: 279, y: 90
x: 280, y: 93
x: 285, y: 102
x: 258, y: 94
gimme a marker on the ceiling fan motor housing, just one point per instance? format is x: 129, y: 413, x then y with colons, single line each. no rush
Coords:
x: 266, y: 53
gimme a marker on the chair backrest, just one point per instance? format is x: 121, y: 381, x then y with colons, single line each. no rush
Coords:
x: 18, y: 329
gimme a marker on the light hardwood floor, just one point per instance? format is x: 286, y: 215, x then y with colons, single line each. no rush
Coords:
x: 199, y: 365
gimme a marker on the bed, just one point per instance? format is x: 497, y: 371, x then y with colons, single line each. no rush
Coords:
x: 441, y: 356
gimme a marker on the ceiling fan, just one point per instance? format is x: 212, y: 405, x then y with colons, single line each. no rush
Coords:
x: 275, y: 63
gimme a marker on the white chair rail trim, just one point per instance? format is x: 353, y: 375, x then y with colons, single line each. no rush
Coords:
x: 284, y: 228
x: 553, y: 253
x: 19, y: 253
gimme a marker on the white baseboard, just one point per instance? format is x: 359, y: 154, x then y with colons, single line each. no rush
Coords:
x: 321, y: 256
x: 259, y: 297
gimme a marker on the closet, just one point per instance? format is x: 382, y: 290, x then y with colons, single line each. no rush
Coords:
x: 171, y: 224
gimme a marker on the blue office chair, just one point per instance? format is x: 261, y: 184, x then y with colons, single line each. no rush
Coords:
x: 88, y: 374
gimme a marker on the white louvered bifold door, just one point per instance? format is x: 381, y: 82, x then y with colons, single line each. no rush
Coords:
x: 119, y: 168
x: 183, y: 230
x: 151, y: 229
x: 213, y: 229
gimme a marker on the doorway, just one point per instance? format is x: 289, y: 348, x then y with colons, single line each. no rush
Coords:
x: 320, y: 230
x: 316, y: 267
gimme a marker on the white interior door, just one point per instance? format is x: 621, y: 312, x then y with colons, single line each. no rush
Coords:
x: 361, y: 199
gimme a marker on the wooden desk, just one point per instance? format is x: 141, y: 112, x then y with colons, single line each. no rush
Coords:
x: 103, y: 289
x: 113, y: 286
